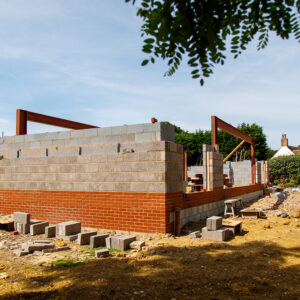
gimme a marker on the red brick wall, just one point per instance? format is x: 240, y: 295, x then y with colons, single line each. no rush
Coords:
x: 140, y: 212
x: 196, y: 199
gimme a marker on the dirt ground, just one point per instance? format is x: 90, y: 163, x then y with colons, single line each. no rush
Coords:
x: 261, y: 263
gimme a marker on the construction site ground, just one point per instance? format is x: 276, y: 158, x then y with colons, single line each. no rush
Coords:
x: 261, y: 263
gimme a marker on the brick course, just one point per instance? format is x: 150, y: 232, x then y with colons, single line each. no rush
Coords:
x: 137, y: 212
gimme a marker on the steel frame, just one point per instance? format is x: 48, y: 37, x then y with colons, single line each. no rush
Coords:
x: 217, y: 123
x: 23, y: 116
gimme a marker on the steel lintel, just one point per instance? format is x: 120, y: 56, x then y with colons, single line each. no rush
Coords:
x: 24, y: 116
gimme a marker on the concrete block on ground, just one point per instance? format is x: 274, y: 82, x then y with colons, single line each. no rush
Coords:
x: 102, y: 253
x: 21, y: 217
x: 122, y: 242
x: 195, y: 235
x: 31, y: 247
x: 108, y: 242
x: 50, y: 231
x: 84, y: 237
x: 98, y: 240
x: 20, y: 252
x: 38, y: 228
x: 68, y: 238
x: 218, y: 235
x: 35, y: 222
x: 137, y: 245
x: 68, y: 228
x: 214, y: 223
x: 22, y: 228
x: 64, y: 248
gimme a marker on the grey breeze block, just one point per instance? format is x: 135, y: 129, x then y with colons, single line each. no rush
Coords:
x: 102, y: 253
x: 84, y: 237
x: 38, y: 228
x: 22, y: 228
x: 21, y: 217
x: 218, y: 235
x: 68, y: 228
x: 214, y: 223
x: 98, y: 240
x: 50, y: 231
x: 122, y: 242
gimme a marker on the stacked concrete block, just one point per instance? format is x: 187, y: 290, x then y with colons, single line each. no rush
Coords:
x: 214, y: 223
x: 129, y: 158
x: 214, y: 230
x: 21, y: 222
x: 38, y: 228
x: 84, y: 237
x: 98, y: 240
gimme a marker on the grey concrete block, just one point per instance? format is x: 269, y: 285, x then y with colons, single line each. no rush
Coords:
x: 214, y: 223
x: 38, y: 228
x: 119, y: 129
x: 69, y: 238
x: 143, y: 137
x: 50, y: 231
x: 195, y: 235
x: 31, y: 247
x: 102, y: 253
x: 21, y: 217
x: 135, y: 128
x: 108, y: 242
x: 20, y: 252
x: 137, y: 245
x: 122, y: 242
x: 149, y: 127
x: 84, y: 237
x: 68, y: 228
x: 58, y: 249
x: 219, y: 235
x: 98, y: 240
x: 22, y: 228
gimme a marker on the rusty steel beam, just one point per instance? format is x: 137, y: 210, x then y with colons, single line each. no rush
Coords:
x: 230, y: 129
x: 217, y: 123
x: 21, y: 122
x: 24, y: 116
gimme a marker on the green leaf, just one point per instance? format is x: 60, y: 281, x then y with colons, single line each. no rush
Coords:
x: 145, y: 62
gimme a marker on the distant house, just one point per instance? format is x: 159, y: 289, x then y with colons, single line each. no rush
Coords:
x: 285, y: 149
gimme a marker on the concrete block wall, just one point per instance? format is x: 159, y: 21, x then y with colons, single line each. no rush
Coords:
x: 201, y: 212
x: 129, y: 158
x: 239, y: 172
x: 215, y: 170
x: 192, y: 170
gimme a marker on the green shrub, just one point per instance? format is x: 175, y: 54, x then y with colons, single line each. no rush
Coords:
x: 285, y: 165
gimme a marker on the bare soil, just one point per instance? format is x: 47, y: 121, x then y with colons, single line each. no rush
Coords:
x: 261, y: 263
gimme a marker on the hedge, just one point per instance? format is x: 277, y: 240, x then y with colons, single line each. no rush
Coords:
x: 285, y: 165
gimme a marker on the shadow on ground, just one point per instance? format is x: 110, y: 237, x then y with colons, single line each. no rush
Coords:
x: 256, y: 270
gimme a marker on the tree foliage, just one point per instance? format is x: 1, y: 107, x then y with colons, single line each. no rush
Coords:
x: 193, y: 142
x: 201, y: 29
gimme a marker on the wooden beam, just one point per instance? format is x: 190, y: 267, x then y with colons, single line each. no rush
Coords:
x: 237, y: 147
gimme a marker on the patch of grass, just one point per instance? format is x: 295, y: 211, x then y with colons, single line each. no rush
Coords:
x: 111, y: 251
x: 65, y: 263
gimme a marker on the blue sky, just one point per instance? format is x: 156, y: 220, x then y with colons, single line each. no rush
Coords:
x: 81, y: 60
